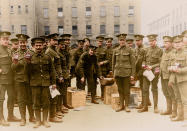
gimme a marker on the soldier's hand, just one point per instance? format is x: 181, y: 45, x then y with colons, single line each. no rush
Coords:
x: 15, y: 61
x: 132, y: 78
x: 53, y: 87
x: 82, y: 79
x: 0, y: 71
x: 176, y: 71
x: 170, y: 84
x: 101, y: 77
x: 149, y: 68
x: 100, y: 63
x: 61, y: 80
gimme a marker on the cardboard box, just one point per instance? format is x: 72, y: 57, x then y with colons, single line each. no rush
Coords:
x: 115, y: 101
x: 108, y: 91
x: 76, y: 98
x: 135, y: 96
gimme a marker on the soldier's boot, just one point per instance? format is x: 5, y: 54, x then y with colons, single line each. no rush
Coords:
x: 127, y: 104
x: 3, y: 122
x: 149, y: 101
x: 155, y: 99
x: 11, y: 117
x: 169, y: 107
x: 145, y: 106
x: 45, y: 116
x: 38, y: 119
x: 122, y: 107
x: 52, y: 117
x: 94, y: 100
x: 65, y: 101
x: 23, y: 115
x: 174, y: 110
x: 31, y: 114
x: 141, y: 105
x: 180, y: 113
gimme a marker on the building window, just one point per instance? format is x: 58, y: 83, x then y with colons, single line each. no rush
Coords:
x: 60, y: 29
x: 19, y: 9
x: 88, y: 29
x: 102, y: 29
x: 74, y: 11
x: 102, y: 11
x: 26, y: 9
x: 116, y: 11
x: 45, y: 11
x: 60, y: 12
x: 11, y: 9
x: 46, y: 30
x: 24, y: 29
x: 88, y: 11
x: 12, y: 28
x: 131, y: 28
x: 116, y: 29
x: 131, y: 10
x: 74, y: 30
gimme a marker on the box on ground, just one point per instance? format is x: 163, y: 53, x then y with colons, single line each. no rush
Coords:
x: 115, y: 101
x: 76, y: 98
x: 108, y: 91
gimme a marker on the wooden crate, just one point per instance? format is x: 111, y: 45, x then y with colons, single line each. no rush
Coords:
x: 108, y: 91
x: 76, y: 98
x: 115, y: 101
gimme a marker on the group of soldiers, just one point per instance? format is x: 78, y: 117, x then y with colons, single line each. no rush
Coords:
x: 169, y: 64
x: 28, y: 73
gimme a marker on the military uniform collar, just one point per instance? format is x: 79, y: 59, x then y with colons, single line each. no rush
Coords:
x: 40, y: 54
x: 168, y: 50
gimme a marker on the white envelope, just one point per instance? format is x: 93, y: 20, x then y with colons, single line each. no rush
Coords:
x: 149, y: 74
x: 53, y: 92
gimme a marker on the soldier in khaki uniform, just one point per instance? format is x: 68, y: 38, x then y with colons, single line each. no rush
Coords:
x: 77, y: 55
x: 52, y: 52
x: 151, y: 62
x: 164, y: 73
x: 123, y: 67
x: 65, y: 75
x: 41, y: 74
x: 102, y: 60
x: 6, y: 79
x: 139, y: 55
x: 66, y: 53
x: 109, y: 51
x: 178, y: 75
x: 21, y: 82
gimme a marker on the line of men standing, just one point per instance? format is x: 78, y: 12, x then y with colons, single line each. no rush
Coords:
x: 30, y: 72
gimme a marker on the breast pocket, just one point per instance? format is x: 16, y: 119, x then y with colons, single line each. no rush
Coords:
x: 45, y: 65
x: 154, y: 58
x: 125, y: 56
x: 181, y: 61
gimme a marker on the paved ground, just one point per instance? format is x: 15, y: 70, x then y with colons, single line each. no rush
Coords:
x: 102, y: 118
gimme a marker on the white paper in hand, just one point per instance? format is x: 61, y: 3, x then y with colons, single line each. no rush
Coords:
x: 53, y: 92
x: 149, y: 74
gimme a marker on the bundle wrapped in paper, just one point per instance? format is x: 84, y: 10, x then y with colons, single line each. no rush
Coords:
x: 149, y: 75
x: 107, y: 81
x: 53, y: 92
